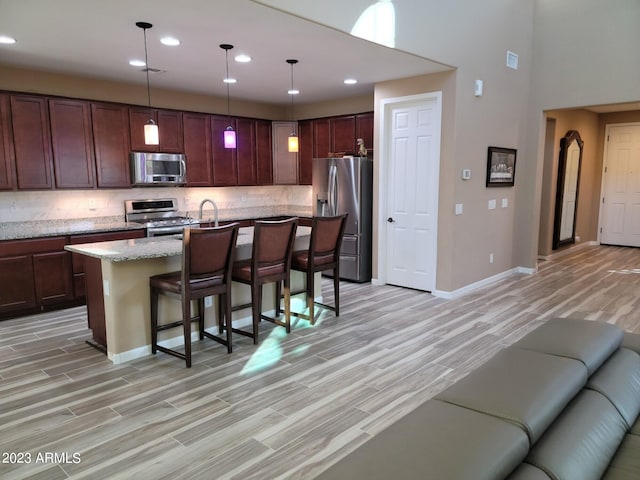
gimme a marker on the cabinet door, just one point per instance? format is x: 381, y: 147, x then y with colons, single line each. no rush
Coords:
x: 53, y: 277
x: 246, y: 152
x: 197, y: 148
x: 343, y: 134
x: 170, y: 131
x: 16, y: 283
x: 364, y: 129
x: 305, y: 151
x: 138, y: 117
x: 321, y: 138
x: 72, y: 143
x: 6, y: 146
x: 285, y: 163
x: 111, y: 139
x: 31, y: 141
x: 225, y: 169
x: 264, y: 152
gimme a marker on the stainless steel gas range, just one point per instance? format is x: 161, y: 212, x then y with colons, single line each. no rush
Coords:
x: 161, y: 216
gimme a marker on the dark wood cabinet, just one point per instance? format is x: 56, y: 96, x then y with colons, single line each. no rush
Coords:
x: 169, y: 130
x: 364, y: 129
x: 112, y: 145
x: 34, y: 273
x: 321, y: 138
x: 246, y: 152
x: 72, y: 143
x: 197, y: 148
x: 343, y: 134
x: 6, y: 146
x: 31, y: 141
x: 305, y: 151
x: 264, y: 152
x: 225, y: 165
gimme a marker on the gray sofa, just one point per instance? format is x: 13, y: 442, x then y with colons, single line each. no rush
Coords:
x: 562, y: 403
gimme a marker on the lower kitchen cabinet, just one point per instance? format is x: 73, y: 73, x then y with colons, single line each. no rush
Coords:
x: 34, y: 274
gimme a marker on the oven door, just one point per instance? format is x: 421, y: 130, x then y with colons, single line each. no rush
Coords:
x: 164, y: 231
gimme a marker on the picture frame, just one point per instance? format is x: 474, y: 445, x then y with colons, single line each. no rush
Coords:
x: 501, y: 167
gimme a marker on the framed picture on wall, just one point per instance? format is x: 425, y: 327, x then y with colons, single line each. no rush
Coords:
x: 501, y: 167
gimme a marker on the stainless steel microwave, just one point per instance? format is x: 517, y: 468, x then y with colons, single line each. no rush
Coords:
x: 158, y: 168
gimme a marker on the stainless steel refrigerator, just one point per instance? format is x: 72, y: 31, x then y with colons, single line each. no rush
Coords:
x: 345, y: 185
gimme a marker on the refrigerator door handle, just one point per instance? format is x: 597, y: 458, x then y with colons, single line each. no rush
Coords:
x: 333, y: 189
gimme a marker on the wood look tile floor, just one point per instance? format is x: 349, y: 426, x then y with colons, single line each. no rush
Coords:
x: 294, y: 404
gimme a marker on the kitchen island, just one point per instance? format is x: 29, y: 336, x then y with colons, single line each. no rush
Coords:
x: 117, y: 281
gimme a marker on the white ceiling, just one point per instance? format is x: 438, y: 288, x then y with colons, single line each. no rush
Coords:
x: 97, y: 38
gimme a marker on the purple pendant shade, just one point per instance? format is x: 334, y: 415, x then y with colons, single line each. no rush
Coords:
x: 229, y: 137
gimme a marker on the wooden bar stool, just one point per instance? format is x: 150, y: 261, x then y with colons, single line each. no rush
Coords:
x: 207, y: 262
x: 323, y: 254
x: 270, y: 262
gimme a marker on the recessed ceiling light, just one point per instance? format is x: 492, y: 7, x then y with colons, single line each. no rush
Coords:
x: 229, y: 80
x: 171, y: 41
x: 350, y: 81
x: 293, y: 91
x: 7, y: 40
x: 242, y: 58
x: 137, y: 63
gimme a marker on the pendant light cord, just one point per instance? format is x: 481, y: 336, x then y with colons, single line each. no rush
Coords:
x: 226, y: 57
x: 146, y: 62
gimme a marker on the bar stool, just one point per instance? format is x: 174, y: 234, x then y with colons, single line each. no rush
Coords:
x: 207, y: 261
x: 270, y: 262
x: 323, y: 254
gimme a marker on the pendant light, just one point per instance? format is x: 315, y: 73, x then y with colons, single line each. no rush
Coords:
x: 293, y: 137
x: 151, y: 136
x: 229, y: 132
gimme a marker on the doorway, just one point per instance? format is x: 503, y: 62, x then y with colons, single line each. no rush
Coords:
x: 408, y: 186
x: 620, y: 207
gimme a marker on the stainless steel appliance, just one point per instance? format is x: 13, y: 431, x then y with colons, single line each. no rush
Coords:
x: 158, y: 169
x: 161, y: 217
x: 345, y: 185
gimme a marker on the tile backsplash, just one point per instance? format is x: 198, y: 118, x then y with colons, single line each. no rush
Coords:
x: 71, y: 204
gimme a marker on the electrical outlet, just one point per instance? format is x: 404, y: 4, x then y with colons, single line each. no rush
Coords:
x: 92, y: 204
x: 505, y: 202
x: 491, y: 258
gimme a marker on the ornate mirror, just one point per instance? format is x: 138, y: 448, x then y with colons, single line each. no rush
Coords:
x: 564, y: 226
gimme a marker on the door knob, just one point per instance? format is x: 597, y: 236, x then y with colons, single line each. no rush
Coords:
x: 390, y: 220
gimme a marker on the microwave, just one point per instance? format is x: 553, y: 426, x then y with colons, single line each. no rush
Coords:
x: 158, y: 169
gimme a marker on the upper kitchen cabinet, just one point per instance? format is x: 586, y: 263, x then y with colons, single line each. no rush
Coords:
x: 305, y: 151
x: 31, y: 141
x: 246, y: 151
x: 72, y: 143
x: 112, y: 144
x: 321, y: 138
x: 285, y: 163
x: 264, y: 152
x: 6, y: 146
x: 364, y: 129
x: 225, y: 165
x: 343, y: 134
x: 197, y: 149
x: 170, y: 130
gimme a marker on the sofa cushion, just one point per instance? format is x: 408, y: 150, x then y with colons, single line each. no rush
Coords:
x: 635, y: 428
x: 528, y: 472
x: 582, y: 441
x: 588, y: 341
x: 631, y: 341
x: 440, y: 441
x: 619, y: 380
x: 626, y: 462
x: 525, y: 387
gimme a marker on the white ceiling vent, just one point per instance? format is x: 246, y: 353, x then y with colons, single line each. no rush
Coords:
x: 512, y: 60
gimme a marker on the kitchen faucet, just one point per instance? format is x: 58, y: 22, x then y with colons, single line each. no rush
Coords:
x: 215, y: 210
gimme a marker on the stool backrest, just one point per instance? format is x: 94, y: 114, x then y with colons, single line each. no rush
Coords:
x: 326, y: 236
x: 208, y: 252
x: 273, y: 243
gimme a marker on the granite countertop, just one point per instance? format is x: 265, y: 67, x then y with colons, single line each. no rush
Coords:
x: 53, y: 228
x: 163, y: 246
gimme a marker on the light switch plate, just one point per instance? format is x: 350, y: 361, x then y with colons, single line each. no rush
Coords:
x: 466, y: 174
x: 459, y: 209
x: 492, y: 204
x: 505, y: 202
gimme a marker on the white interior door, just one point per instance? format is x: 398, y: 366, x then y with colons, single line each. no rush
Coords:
x: 620, y: 217
x: 412, y: 132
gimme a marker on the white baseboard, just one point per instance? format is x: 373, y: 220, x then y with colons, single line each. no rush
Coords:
x: 482, y: 283
x: 568, y: 250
